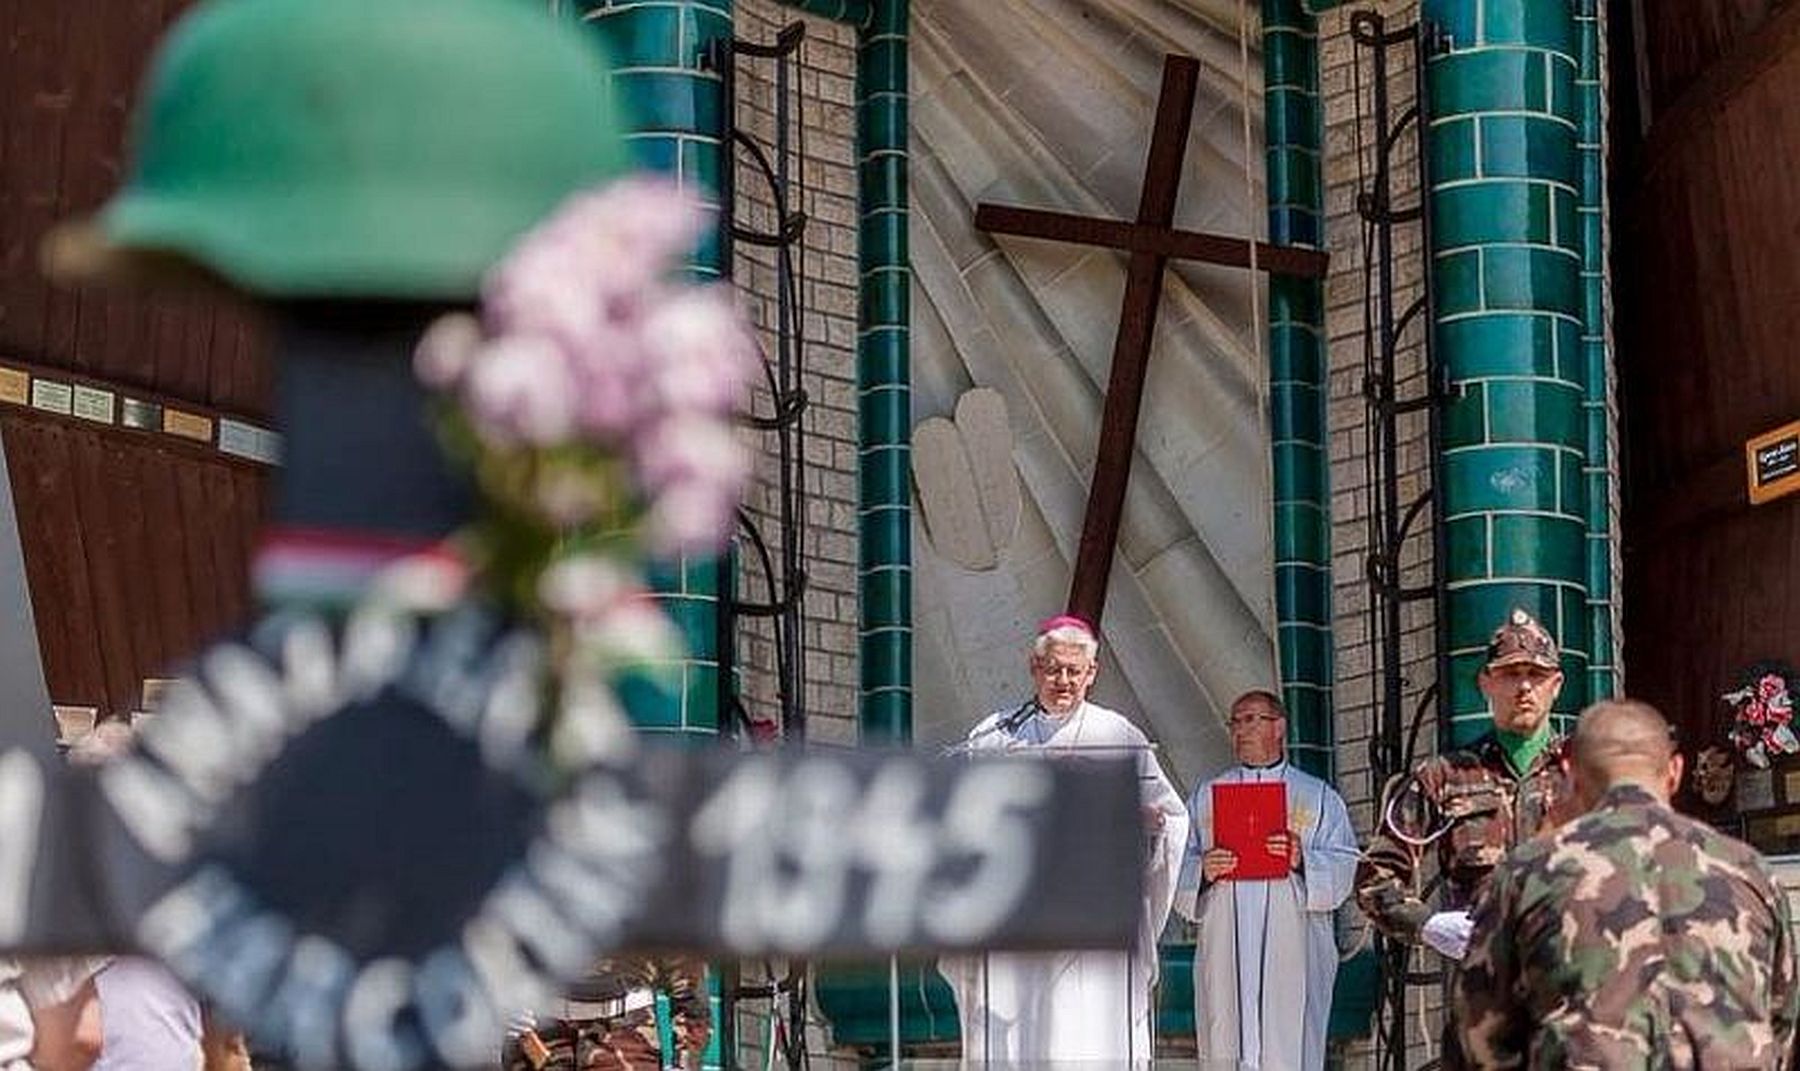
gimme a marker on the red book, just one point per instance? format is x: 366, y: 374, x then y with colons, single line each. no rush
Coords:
x: 1243, y: 816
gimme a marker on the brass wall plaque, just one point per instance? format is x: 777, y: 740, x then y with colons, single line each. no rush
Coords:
x: 15, y: 386
x: 188, y: 425
x: 1773, y: 463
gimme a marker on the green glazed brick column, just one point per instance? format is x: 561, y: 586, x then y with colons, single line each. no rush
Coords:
x: 1297, y: 385
x: 676, y: 109
x: 1505, y: 180
x: 884, y: 379
x: 1590, y: 96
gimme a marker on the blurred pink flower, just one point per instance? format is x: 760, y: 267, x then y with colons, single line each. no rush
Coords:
x: 592, y: 342
x: 690, y: 518
x: 612, y: 386
x: 543, y: 292
x: 443, y: 354
x: 632, y: 629
x: 520, y: 390
x: 700, y: 352
x: 1770, y: 686
x: 586, y: 586
x: 591, y: 261
x: 646, y: 215
x: 690, y: 449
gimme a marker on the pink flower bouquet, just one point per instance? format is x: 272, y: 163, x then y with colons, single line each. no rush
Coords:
x: 1762, y: 717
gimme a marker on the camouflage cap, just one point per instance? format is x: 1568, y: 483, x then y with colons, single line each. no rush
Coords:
x: 1521, y: 641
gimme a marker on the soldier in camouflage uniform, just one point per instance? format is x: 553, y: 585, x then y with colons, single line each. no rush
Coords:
x: 1470, y: 806
x: 608, y: 1022
x: 1633, y: 936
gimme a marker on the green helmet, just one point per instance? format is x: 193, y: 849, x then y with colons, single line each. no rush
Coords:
x: 355, y: 148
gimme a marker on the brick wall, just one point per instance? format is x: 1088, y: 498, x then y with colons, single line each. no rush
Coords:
x: 821, y: 92
x: 1346, y: 87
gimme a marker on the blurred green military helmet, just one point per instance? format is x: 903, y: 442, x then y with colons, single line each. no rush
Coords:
x: 354, y: 148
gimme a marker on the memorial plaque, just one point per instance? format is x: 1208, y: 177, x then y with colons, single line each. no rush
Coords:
x: 92, y: 403
x: 1755, y: 789
x: 141, y: 414
x: 15, y: 386
x: 249, y: 441
x: 187, y: 425
x: 155, y: 690
x: 52, y: 396
x: 1773, y: 463
x: 73, y: 723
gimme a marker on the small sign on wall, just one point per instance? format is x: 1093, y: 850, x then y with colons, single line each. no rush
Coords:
x: 1773, y: 463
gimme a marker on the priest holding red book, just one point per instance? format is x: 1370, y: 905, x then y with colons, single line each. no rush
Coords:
x: 1271, y: 855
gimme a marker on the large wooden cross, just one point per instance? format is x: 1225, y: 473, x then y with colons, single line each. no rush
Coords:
x: 1152, y: 242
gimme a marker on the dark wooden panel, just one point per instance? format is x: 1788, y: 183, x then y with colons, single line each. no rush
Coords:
x: 1709, y: 284
x: 1703, y: 606
x: 1683, y: 38
x: 70, y: 78
x: 50, y: 533
x: 136, y: 550
x: 178, y: 620
x: 1707, y: 320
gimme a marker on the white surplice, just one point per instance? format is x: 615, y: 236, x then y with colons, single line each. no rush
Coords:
x: 1265, y: 957
x: 1086, y: 1009
x: 16, y: 1036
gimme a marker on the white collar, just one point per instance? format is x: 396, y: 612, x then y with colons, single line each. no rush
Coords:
x: 1278, y: 768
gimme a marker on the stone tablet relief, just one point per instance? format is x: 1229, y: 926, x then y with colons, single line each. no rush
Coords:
x: 988, y: 441
x: 967, y: 484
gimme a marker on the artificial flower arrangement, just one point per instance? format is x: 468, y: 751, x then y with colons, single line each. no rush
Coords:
x: 593, y: 399
x: 1762, y: 716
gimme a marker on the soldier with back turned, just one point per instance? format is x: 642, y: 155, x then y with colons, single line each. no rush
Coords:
x: 1633, y: 936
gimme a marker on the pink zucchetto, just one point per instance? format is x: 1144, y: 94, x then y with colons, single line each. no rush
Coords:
x: 1051, y: 624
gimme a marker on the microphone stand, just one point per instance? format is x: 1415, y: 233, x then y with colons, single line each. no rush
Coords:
x: 1019, y: 716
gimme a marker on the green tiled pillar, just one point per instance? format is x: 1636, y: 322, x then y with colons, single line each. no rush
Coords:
x: 1505, y: 178
x: 676, y: 107
x: 1297, y: 384
x: 1590, y: 97
x: 884, y: 378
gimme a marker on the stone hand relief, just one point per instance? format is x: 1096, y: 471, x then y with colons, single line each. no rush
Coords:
x: 966, y: 482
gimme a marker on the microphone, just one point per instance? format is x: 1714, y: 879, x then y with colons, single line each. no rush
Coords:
x: 1013, y: 721
x: 1006, y: 725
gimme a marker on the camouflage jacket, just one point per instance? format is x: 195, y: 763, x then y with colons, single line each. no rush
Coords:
x: 628, y: 1041
x: 1468, y: 808
x: 1632, y: 937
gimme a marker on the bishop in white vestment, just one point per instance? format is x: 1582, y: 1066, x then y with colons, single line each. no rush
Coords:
x: 1265, y: 957
x: 1072, y: 1009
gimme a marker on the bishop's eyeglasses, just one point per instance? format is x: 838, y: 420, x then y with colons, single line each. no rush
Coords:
x: 1244, y: 721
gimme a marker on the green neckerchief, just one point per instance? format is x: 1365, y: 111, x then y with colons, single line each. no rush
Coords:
x: 1522, y: 751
